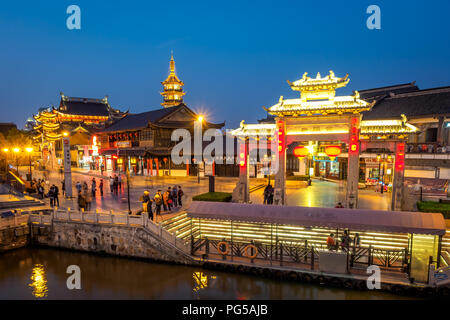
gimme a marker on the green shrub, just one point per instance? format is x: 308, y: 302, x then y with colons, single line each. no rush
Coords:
x: 432, y: 206
x: 213, y: 196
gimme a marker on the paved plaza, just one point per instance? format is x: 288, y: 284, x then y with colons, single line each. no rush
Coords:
x: 319, y: 194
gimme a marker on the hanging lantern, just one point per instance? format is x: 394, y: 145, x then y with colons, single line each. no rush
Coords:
x: 332, y: 152
x: 301, y: 151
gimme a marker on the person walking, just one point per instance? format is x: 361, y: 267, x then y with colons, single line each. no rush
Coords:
x: 102, y: 168
x: 158, y: 202
x: 180, y: 194
x: 116, y: 184
x: 119, y: 182
x: 100, y: 186
x: 63, y: 188
x: 111, y: 184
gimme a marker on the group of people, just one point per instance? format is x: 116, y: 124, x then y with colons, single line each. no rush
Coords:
x: 115, y: 184
x: 268, y: 194
x: 39, y: 186
x: 346, y: 242
x: 171, y: 198
x: 84, y: 196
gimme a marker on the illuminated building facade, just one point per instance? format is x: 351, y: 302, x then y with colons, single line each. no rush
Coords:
x: 143, y: 142
x: 78, y: 118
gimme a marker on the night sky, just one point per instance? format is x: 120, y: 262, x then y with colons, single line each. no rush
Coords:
x: 233, y: 56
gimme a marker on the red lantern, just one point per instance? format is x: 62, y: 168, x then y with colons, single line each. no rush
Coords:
x: 301, y: 151
x: 333, y: 151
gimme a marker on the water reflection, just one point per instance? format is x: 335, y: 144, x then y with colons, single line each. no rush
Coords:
x: 105, y: 277
x: 39, y: 281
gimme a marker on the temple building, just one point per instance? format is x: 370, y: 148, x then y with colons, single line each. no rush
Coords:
x: 142, y: 141
x: 77, y: 118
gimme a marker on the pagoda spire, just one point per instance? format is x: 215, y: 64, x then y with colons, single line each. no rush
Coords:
x: 173, y: 87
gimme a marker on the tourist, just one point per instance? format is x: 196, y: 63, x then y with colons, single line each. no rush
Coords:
x: 180, y: 194
x: 266, y: 194
x: 78, y: 187
x: 100, y: 186
x: 111, y: 184
x: 175, y: 196
x: 119, y: 182
x: 158, y: 202
x: 63, y: 188
x: 40, y: 191
x: 81, y: 202
x: 270, y: 194
x: 345, y: 241
x: 331, y: 243
x: 94, y: 187
x: 55, y: 196
x: 50, y: 195
x: 147, y: 204
x: 116, y: 184
x: 102, y: 168
x: 166, y: 199
x: 357, y: 241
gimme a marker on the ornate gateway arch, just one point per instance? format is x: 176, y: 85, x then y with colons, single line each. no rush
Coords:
x: 319, y: 119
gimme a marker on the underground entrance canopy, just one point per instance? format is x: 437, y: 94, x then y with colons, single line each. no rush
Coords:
x: 353, y: 219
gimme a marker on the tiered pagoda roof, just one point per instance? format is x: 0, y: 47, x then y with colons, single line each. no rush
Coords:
x: 173, y: 88
x: 317, y: 97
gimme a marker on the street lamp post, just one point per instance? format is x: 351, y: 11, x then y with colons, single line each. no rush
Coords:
x: 16, y: 151
x: 29, y: 150
x: 200, y: 120
x: 128, y: 189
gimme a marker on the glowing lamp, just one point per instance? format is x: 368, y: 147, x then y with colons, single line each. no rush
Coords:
x: 29, y: 150
x: 16, y: 150
x: 333, y: 151
x: 301, y: 151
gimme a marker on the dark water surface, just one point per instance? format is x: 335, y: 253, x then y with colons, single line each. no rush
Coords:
x: 37, y: 273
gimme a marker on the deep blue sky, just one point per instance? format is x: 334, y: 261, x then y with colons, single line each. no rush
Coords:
x: 234, y: 56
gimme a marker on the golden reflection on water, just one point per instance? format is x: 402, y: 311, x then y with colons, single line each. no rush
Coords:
x: 200, y: 281
x: 39, y: 281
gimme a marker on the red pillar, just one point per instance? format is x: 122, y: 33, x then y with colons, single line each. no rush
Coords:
x: 157, y: 167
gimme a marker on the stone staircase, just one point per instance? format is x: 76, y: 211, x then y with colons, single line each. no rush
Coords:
x: 15, y: 202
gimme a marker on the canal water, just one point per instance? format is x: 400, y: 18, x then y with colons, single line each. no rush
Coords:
x: 38, y: 273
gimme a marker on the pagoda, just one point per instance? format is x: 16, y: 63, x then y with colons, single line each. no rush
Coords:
x: 173, y: 88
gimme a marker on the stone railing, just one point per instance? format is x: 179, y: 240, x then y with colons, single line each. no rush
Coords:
x: 118, y: 219
x: 15, y: 221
